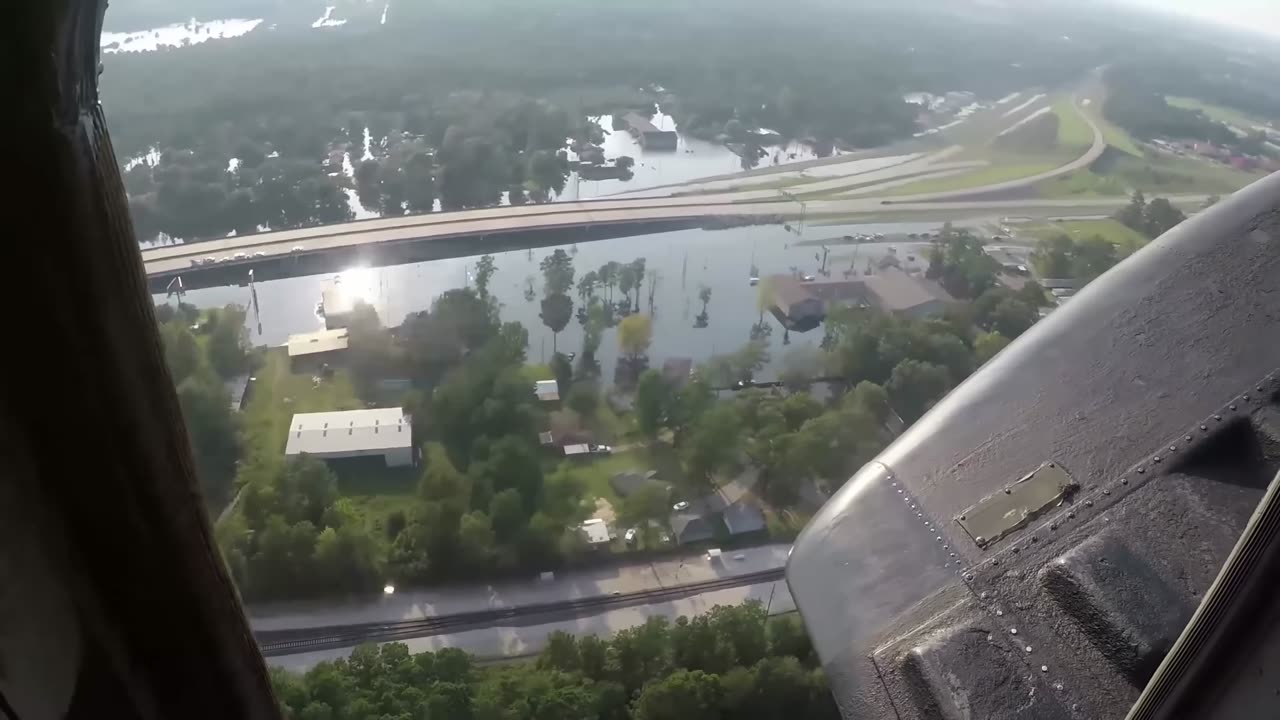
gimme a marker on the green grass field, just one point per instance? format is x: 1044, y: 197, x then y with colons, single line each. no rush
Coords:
x: 1124, y: 238
x: 1113, y: 135
x: 1082, y: 183
x: 1073, y: 130
x: 1155, y: 174
x: 978, y: 178
x: 1222, y: 114
x: 278, y: 393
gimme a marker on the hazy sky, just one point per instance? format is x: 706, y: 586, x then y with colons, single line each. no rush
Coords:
x: 1260, y: 15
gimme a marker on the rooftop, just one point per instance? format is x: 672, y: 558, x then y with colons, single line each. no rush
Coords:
x: 317, y: 342
x: 596, y: 532
x: 547, y: 390
x: 349, y: 431
x: 897, y: 290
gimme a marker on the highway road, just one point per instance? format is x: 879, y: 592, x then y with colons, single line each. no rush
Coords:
x: 177, y: 260
x: 163, y: 263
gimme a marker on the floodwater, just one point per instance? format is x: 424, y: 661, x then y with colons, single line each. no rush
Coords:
x: 176, y: 35
x: 692, y: 159
x: 682, y: 261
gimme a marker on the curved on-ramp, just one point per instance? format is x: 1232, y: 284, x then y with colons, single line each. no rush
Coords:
x: 1093, y: 153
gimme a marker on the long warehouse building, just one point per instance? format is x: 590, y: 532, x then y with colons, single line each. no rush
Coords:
x: 353, y: 433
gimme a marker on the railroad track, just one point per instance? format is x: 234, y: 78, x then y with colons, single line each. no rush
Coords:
x: 295, y: 640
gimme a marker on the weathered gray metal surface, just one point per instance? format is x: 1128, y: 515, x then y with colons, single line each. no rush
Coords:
x: 1155, y: 389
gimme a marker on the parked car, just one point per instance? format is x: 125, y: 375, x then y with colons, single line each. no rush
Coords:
x: 259, y: 254
x: 630, y: 536
x: 296, y: 248
x: 210, y: 259
x: 682, y: 505
x: 240, y: 256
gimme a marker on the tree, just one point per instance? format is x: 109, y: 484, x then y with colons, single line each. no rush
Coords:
x: 1134, y: 215
x: 683, y: 694
x: 986, y: 345
x: 915, y: 386
x: 181, y: 352
x: 1093, y: 256
x: 1012, y: 317
x: 584, y: 398
x: 587, y: 286
x: 713, y: 443
x: 557, y: 273
x: 506, y: 515
x: 557, y: 310
x: 1052, y: 257
x: 485, y: 269
x: 652, y: 398
x: 227, y: 341
x: 1160, y: 217
x: 635, y: 332
x: 215, y: 435
x: 562, y: 371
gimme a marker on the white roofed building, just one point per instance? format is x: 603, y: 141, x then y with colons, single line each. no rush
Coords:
x: 353, y: 433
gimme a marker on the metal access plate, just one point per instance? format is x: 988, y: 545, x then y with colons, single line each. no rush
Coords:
x: 1016, y: 505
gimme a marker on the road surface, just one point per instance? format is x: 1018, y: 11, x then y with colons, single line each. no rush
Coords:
x: 498, y: 641
x: 177, y: 259
x: 448, y: 600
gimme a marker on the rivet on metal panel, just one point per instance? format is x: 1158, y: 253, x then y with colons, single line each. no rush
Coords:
x: 1044, y: 668
x: 1088, y: 503
x: 1187, y: 438
x: 899, y: 491
x: 1173, y: 448
x: 999, y: 613
x: 1141, y: 470
x: 1013, y: 631
x: 1217, y: 417
x: 1007, y: 491
x: 1204, y: 427
x: 1246, y: 397
x: 1015, y: 548
x: 983, y: 596
x: 1027, y: 648
x: 951, y: 554
x: 1052, y: 465
x: 939, y: 538
x: 962, y: 517
x: 919, y: 514
x: 1231, y: 407
x: 1053, y: 526
x: 1124, y: 481
x: 1035, y: 539
x: 1155, y: 459
x: 946, y: 547
x: 1106, y: 492
x: 980, y: 540
x: 1071, y: 514
x: 995, y: 561
x: 1057, y: 686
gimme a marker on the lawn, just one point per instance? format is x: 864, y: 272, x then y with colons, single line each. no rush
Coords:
x: 1113, y: 135
x: 1154, y: 174
x: 597, y: 471
x: 1073, y: 130
x: 1124, y: 238
x: 978, y: 178
x: 1165, y: 174
x: 278, y: 393
x: 1217, y: 112
x: 1082, y: 183
x: 372, y: 489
